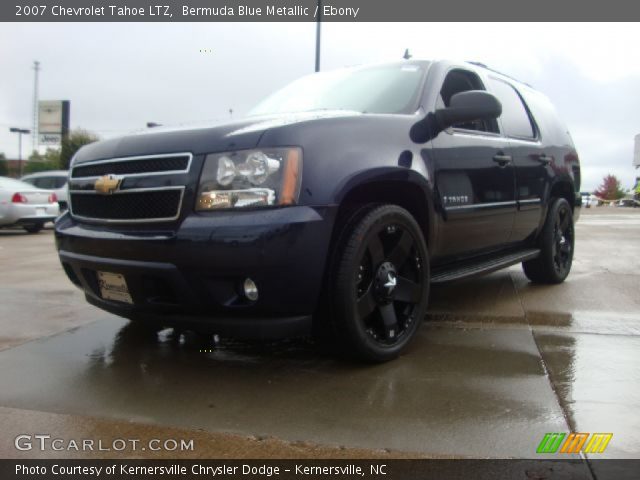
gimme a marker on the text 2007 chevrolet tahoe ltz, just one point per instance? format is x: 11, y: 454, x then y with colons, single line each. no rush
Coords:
x: 333, y: 205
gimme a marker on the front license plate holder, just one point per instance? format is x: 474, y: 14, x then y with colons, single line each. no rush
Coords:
x: 113, y: 286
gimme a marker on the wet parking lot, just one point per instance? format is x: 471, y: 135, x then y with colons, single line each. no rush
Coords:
x: 498, y: 363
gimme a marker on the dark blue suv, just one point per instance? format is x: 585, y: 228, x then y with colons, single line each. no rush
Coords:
x: 331, y: 207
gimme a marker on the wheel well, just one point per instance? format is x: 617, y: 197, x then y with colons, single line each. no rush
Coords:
x: 564, y: 190
x: 404, y: 194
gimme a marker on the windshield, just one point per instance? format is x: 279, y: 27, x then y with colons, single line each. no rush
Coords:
x: 374, y: 89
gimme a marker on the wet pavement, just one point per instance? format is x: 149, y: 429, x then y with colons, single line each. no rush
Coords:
x: 498, y: 363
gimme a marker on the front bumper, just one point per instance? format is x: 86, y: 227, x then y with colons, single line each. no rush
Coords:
x: 193, y: 275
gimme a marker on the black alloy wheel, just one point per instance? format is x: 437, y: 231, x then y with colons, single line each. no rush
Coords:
x: 382, y: 282
x: 563, y: 240
x: 557, y: 242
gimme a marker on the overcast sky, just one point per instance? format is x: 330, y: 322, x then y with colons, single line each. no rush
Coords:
x: 120, y: 76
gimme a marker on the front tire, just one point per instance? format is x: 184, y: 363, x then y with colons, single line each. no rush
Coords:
x: 380, y: 283
x: 557, y: 241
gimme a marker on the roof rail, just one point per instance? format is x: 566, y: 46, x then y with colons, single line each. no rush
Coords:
x: 480, y: 64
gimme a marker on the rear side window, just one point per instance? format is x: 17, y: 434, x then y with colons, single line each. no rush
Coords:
x: 515, y: 118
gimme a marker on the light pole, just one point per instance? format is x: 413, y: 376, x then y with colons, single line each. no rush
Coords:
x: 36, y: 68
x: 20, y: 132
x: 318, y: 23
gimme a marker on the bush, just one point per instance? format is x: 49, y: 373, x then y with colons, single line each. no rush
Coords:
x: 33, y: 167
x: 4, y: 166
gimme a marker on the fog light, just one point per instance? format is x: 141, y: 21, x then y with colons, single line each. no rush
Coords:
x: 250, y: 290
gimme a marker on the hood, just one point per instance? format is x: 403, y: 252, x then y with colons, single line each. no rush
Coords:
x: 200, y: 139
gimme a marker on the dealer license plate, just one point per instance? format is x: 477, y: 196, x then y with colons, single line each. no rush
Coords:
x: 114, y: 287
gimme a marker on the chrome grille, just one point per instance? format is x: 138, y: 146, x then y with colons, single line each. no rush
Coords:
x: 156, y: 164
x: 125, y: 202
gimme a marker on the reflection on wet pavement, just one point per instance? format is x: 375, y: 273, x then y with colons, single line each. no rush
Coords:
x: 592, y: 374
x: 454, y: 390
x: 499, y: 363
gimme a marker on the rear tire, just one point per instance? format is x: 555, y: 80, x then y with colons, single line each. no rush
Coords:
x: 557, y: 246
x: 35, y: 228
x: 380, y: 282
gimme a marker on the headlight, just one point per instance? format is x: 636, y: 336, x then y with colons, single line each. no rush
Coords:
x: 250, y: 178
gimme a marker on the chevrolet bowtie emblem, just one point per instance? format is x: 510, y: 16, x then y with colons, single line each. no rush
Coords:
x: 107, y: 184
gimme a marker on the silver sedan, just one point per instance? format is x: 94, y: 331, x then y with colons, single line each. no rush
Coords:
x: 26, y: 206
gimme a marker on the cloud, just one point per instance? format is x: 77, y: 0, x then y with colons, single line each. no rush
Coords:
x: 120, y: 76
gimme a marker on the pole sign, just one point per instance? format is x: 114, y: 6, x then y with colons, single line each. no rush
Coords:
x: 53, y: 121
x: 636, y: 152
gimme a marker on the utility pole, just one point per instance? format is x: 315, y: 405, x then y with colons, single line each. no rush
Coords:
x: 34, y: 139
x: 318, y: 22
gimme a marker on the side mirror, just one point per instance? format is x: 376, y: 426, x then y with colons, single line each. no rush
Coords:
x: 464, y: 107
x: 467, y: 107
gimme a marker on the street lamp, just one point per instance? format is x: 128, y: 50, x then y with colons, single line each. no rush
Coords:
x: 20, y: 132
x: 318, y: 26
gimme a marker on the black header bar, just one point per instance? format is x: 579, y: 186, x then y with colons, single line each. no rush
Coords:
x: 311, y: 10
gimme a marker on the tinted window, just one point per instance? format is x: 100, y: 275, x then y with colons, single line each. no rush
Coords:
x: 45, y: 182
x: 59, y: 182
x: 515, y: 118
x: 48, y: 183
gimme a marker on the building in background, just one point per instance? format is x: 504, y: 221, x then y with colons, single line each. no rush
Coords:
x: 13, y: 167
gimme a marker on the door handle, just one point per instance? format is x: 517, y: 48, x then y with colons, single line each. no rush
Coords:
x: 545, y: 159
x: 502, y: 159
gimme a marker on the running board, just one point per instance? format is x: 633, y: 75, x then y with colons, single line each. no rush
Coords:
x: 482, y: 266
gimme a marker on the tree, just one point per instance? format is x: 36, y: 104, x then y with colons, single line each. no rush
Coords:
x: 41, y: 163
x: 4, y: 166
x: 72, y: 143
x: 610, y: 188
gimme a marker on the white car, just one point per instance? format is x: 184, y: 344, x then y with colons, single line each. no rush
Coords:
x: 22, y: 204
x: 55, y: 180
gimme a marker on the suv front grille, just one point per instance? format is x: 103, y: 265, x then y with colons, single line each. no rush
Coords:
x: 143, y: 165
x: 128, y: 206
x: 142, y: 189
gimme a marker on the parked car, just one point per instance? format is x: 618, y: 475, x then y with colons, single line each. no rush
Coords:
x: 55, y: 180
x: 629, y: 202
x: 22, y: 204
x: 590, y: 200
x: 331, y: 208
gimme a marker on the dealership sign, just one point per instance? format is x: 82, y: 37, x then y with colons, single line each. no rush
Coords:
x: 53, y: 121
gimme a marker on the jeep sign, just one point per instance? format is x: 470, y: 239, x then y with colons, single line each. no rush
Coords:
x: 53, y: 121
